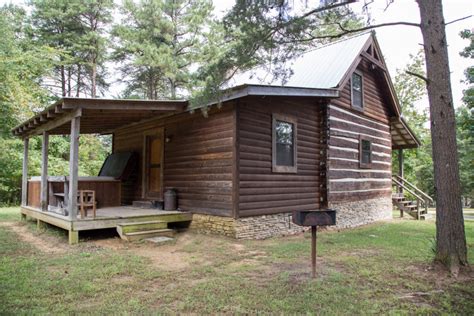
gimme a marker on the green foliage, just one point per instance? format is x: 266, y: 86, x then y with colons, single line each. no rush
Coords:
x: 25, y: 66
x: 465, y: 125
x: 159, y: 41
x: 411, y: 90
x: 418, y: 162
x: 465, y: 140
x: 76, y: 28
x: 22, y: 66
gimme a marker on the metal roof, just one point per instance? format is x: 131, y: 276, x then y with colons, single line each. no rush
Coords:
x: 322, y: 68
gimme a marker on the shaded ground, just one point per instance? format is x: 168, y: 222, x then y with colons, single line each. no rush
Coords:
x: 381, y: 268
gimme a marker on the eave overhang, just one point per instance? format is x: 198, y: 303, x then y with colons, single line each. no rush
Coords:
x: 97, y: 115
x: 402, y: 135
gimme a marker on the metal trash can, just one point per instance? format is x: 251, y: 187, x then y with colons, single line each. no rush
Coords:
x: 171, y: 200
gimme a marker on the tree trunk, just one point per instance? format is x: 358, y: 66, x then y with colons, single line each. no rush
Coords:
x: 94, y: 78
x: 173, y: 89
x: 450, y: 236
x: 69, y: 75
x: 63, y: 81
x: 78, y: 86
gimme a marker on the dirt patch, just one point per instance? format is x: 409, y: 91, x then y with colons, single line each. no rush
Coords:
x: 166, y: 257
x: 111, y: 243
x: 42, y: 242
x: 440, y: 276
x: 238, y: 247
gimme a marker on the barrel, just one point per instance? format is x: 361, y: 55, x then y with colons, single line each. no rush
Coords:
x: 170, y: 199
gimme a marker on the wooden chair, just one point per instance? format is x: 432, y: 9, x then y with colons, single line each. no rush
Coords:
x: 87, y: 201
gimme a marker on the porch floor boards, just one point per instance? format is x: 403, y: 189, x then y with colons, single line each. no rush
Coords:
x: 108, y: 217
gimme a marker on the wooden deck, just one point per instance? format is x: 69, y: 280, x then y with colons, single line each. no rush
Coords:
x: 108, y: 217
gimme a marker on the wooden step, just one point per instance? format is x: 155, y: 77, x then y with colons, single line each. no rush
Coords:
x: 140, y: 226
x: 148, y: 234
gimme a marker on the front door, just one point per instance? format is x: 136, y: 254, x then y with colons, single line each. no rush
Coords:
x: 153, y: 163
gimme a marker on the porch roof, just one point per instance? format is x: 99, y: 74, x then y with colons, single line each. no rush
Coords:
x: 97, y: 115
x: 402, y: 135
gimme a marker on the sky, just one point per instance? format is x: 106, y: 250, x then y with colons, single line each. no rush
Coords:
x: 398, y: 42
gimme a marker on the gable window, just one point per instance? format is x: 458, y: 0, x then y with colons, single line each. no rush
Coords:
x: 365, y: 153
x: 356, y: 91
x: 284, y: 144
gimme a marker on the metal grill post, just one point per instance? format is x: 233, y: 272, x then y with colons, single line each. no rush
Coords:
x: 313, y: 250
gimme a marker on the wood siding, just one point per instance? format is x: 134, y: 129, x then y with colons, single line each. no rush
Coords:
x: 346, y: 180
x: 375, y: 94
x: 107, y: 192
x: 34, y: 189
x: 198, y: 159
x: 262, y: 191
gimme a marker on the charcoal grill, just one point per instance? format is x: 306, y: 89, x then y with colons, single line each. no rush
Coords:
x: 314, y: 219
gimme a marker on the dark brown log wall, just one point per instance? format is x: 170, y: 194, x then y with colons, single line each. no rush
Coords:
x: 375, y: 94
x: 197, y: 160
x: 262, y: 191
x: 346, y: 180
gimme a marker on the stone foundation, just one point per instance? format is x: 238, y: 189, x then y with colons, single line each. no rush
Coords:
x: 255, y: 227
x: 351, y: 214
x: 210, y: 224
x: 266, y: 226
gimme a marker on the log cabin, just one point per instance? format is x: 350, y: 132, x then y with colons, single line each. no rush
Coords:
x: 321, y: 138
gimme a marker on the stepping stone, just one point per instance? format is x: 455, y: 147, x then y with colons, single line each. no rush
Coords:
x: 161, y: 240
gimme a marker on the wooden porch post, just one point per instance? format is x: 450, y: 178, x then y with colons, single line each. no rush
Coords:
x: 400, y: 174
x: 400, y: 168
x: 44, y: 171
x: 24, y: 179
x: 73, y: 167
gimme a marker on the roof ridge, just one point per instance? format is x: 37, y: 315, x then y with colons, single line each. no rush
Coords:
x: 336, y: 42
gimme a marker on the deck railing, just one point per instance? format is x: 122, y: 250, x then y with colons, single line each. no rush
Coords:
x: 422, y: 198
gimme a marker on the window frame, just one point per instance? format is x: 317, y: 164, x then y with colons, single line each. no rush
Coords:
x: 359, y: 108
x: 364, y: 165
x: 288, y: 119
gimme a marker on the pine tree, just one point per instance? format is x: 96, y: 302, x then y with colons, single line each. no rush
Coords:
x: 76, y: 28
x: 94, y: 16
x: 159, y: 42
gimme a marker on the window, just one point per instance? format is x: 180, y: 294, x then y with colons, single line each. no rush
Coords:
x: 365, y: 153
x: 284, y: 144
x: 356, y: 91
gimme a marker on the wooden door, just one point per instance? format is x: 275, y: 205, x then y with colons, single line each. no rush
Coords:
x: 153, y: 162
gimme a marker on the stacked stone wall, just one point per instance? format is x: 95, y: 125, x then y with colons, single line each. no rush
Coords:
x: 349, y: 214
x: 356, y: 213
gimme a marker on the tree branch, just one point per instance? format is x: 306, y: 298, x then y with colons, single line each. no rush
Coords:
x: 457, y: 20
x: 418, y: 76
x: 325, y: 8
x: 345, y: 31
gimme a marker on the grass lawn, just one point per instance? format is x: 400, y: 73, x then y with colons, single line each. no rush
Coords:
x: 382, y: 268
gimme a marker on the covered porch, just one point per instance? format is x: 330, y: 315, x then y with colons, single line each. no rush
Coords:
x: 54, y: 199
